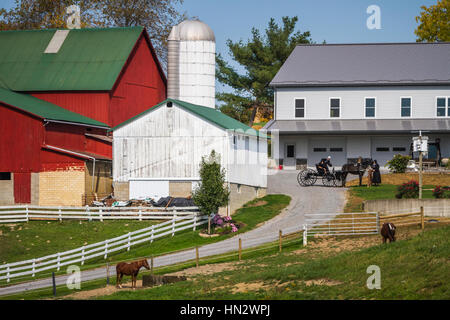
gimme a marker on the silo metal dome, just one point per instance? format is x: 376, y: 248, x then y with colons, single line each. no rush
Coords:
x: 192, y: 30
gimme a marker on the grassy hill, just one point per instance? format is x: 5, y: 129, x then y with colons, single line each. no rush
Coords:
x: 414, y: 268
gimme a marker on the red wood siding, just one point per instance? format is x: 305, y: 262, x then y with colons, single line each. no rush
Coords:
x: 139, y: 87
x: 94, y: 105
x: 22, y: 187
x: 21, y: 136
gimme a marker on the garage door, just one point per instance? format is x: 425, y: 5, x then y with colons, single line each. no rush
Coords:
x: 384, y: 148
x: 320, y: 148
x: 141, y: 189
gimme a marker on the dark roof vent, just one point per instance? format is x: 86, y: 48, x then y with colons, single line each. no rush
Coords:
x: 169, y: 104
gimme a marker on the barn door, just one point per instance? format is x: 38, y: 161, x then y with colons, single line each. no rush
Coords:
x: 22, y: 187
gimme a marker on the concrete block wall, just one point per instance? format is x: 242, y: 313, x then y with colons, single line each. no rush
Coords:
x: 62, y: 188
x: 431, y: 207
x: 180, y: 188
x: 121, y: 190
x: 7, y: 191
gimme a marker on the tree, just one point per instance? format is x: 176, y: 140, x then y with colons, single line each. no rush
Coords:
x: 212, y: 193
x: 261, y: 57
x: 158, y: 16
x: 434, y: 23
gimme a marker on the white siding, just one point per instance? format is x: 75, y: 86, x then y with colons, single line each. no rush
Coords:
x: 317, y: 101
x: 170, y: 142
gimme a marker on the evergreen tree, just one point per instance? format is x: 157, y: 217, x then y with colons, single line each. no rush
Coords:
x: 261, y: 57
x: 212, y: 192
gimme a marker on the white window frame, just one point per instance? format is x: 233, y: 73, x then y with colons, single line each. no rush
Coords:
x: 304, y: 107
x: 410, y: 107
x: 375, y: 108
x: 446, y: 107
x: 340, y: 107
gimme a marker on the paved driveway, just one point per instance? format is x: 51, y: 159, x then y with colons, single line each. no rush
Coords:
x: 315, y: 199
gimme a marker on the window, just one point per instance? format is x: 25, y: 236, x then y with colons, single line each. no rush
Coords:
x: 336, y: 149
x: 370, y: 107
x: 440, y: 102
x: 382, y: 149
x: 320, y: 149
x: 399, y: 149
x: 238, y: 188
x: 406, y: 107
x: 290, y: 150
x: 299, y: 108
x: 335, y: 106
x: 5, y: 175
x: 247, y: 143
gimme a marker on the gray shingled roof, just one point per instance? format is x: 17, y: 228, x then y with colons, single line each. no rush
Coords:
x: 366, y: 64
x: 358, y: 126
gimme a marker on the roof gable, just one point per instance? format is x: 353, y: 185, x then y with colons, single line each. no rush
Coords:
x: 88, y: 59
x: 212, y: 115
x: 366, y: 64
x: 44, y: 109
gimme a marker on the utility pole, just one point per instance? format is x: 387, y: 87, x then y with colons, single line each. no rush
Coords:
x: 420, y: 165
x: 421, y: 146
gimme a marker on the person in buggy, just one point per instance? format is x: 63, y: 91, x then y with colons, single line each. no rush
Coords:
x: 322, y: 166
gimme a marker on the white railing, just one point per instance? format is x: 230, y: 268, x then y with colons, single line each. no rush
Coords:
x: 81, y: 254
x: 341, y: 224
x: 9, y: 214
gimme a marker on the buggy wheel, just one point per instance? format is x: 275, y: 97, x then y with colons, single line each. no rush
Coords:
x: 306, y: 177
x: 329, y: 180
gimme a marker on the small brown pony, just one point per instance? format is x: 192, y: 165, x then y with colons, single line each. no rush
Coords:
x: 130, y: 269
x: 388, y: 232
x: 369, y: 177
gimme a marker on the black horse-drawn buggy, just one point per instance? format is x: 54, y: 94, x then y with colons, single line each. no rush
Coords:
x: 333, y: 178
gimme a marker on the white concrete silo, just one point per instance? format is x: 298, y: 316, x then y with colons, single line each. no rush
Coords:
x: 191, y: 63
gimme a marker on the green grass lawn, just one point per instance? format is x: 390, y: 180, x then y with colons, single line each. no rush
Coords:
x: 416, y: 268
x: 60, y: 234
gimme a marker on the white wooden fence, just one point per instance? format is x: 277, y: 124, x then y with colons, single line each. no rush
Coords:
x: 9, y: 214
x: 81, y: 254
x: 340, y: 224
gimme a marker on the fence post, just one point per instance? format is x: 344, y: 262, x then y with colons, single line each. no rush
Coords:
x: 129, y: 241
x: 26, y: 212
x: 140, y: 214
x: 152, y: 235
x: 59, y: 214
x: 151, y: 265
x: 280, y: 239
x: 54, y: 284
x: 82, y: 256
x: 89, y: 213
x: 195, y: 222
x: 7, y: 274
x: 240, y: 249
x: 378, y: 222
x: 34, y: 265
x: 173, y: 225
x: 58, y: 262
x: 422, y: 218
x: 107, y: 273
x: 106, y: 249
x: 305, y: 234
x: 101, y: 215
x: 196, y: 257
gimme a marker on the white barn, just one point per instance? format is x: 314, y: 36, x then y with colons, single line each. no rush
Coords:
x: 158, y: 153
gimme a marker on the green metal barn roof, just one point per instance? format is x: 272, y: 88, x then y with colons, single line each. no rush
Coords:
x: 44, y: 109
x: 89, y: 59
x: 209, y: 114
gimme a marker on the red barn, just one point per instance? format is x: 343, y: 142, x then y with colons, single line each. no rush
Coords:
x: 60, y: 91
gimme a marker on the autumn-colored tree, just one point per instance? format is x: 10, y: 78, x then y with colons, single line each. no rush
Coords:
x: 434, y: 22
x: 158, y: 16
x: 261, y: 57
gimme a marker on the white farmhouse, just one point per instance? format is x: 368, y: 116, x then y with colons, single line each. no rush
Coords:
x: 158, y: 153
x: 368, y: 100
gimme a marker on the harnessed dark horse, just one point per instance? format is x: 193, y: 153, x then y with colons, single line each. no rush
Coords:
x: 358, y: 169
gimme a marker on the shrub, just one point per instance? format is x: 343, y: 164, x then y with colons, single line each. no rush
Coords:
x: 398, y: 163
x: 408, y: 190
x: 441, y: 192
x: 223, y: 225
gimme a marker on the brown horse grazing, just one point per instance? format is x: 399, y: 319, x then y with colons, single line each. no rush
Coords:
x: 130, y: 269
x: 388, y: 231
